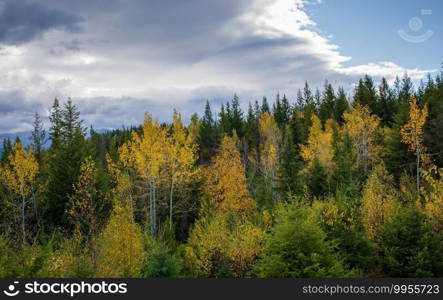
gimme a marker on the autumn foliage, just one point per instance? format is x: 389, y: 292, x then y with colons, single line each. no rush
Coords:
x: 324, y: 185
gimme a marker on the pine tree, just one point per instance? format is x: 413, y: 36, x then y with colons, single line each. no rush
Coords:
x: 341, y: 106
x: 208, y: 136
x: 386, y: 103
x: 68, y: 149
x: 236, y: 117
x: 265, y: 106
x: 365, y: 94
x: 326, y: 109
x: 38, y: 137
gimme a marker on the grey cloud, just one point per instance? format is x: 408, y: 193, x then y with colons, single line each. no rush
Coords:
x: 23, y: 21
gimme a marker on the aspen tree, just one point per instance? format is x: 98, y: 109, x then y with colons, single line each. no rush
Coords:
x: 412, y: 132
x: 146, y: 154
x: 181, y: 158
x: 20, y: 177
x: 319, y: 144
x: 362, y: 128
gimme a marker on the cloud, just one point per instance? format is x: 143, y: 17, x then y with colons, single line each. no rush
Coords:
x: 23, y: 21
x: 135, y: 56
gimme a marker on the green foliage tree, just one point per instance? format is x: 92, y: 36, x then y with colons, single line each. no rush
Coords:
x: 297, y: 247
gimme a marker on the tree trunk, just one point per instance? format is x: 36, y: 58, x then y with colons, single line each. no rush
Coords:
x: 23, y: 221
x: 418, y: 169
x: 170, y: 203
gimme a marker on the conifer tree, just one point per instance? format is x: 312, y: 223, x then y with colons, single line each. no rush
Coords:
x: 38, y: 137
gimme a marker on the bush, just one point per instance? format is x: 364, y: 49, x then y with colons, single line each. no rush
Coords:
x: 72, y: 259
x: 6, y: 267
x: 223, y: 245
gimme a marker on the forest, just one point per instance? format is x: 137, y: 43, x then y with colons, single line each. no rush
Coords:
x: 329, y: 184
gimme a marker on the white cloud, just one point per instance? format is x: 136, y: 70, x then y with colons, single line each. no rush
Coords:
x: 132, y: 56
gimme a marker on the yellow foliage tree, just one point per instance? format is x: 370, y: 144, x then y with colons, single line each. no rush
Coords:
x: 121, y: 250
x: 181, y: 158
x: 147, y: 154
x: 226, y: 180
x: 20, y: 179
x: 218, y: 241
x: 319, y: 144
x: 412, y: 132
x: 379, y: 201
x: 82, y: 208
x: 362, y: 128
x: 270, y: 140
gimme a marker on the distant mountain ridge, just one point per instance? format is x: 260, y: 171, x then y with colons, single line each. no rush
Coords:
x: 26, y: 136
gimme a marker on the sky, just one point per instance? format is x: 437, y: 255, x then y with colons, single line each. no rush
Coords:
x: 117, y: 59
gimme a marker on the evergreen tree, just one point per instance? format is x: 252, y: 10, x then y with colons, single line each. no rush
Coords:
x: 265, y: 106
x: 236, y: 117
x: 38, y: 137
x: 208, y: 137
x: 386, y: 103
x: 365, y: 94
x: 68, y: 149
x: 341, y: 106
x: 326, y: 109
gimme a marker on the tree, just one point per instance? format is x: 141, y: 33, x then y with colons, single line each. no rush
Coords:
x: 38, y: 137
x: 270, y: 138
x: 362, y: 128
x: 222, y: 245
x: 146, y: 153
x: 432, y: 194
x: 19, y: 177
x: 297, y: 247
x: 365, y: 94
x: 56, y: 119
x: 161, y: 261
x: 319, y: 144
x: 386, y: 103
x: 265, y: 106
x: 412, y: 133
x: 236, y: 117
x: 6, y: 149
x: 341, y: 106
x: 180, y: 159
x: 226, y: 181
x: 121, y: 251
x: 327, y: 106
x: 379, y: 202
x: 207, y: 135
x: 68, y: 150
x: 409, y: 246
x: 83, y: 203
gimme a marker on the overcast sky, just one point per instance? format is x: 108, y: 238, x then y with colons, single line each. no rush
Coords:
x: 119, y: 58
